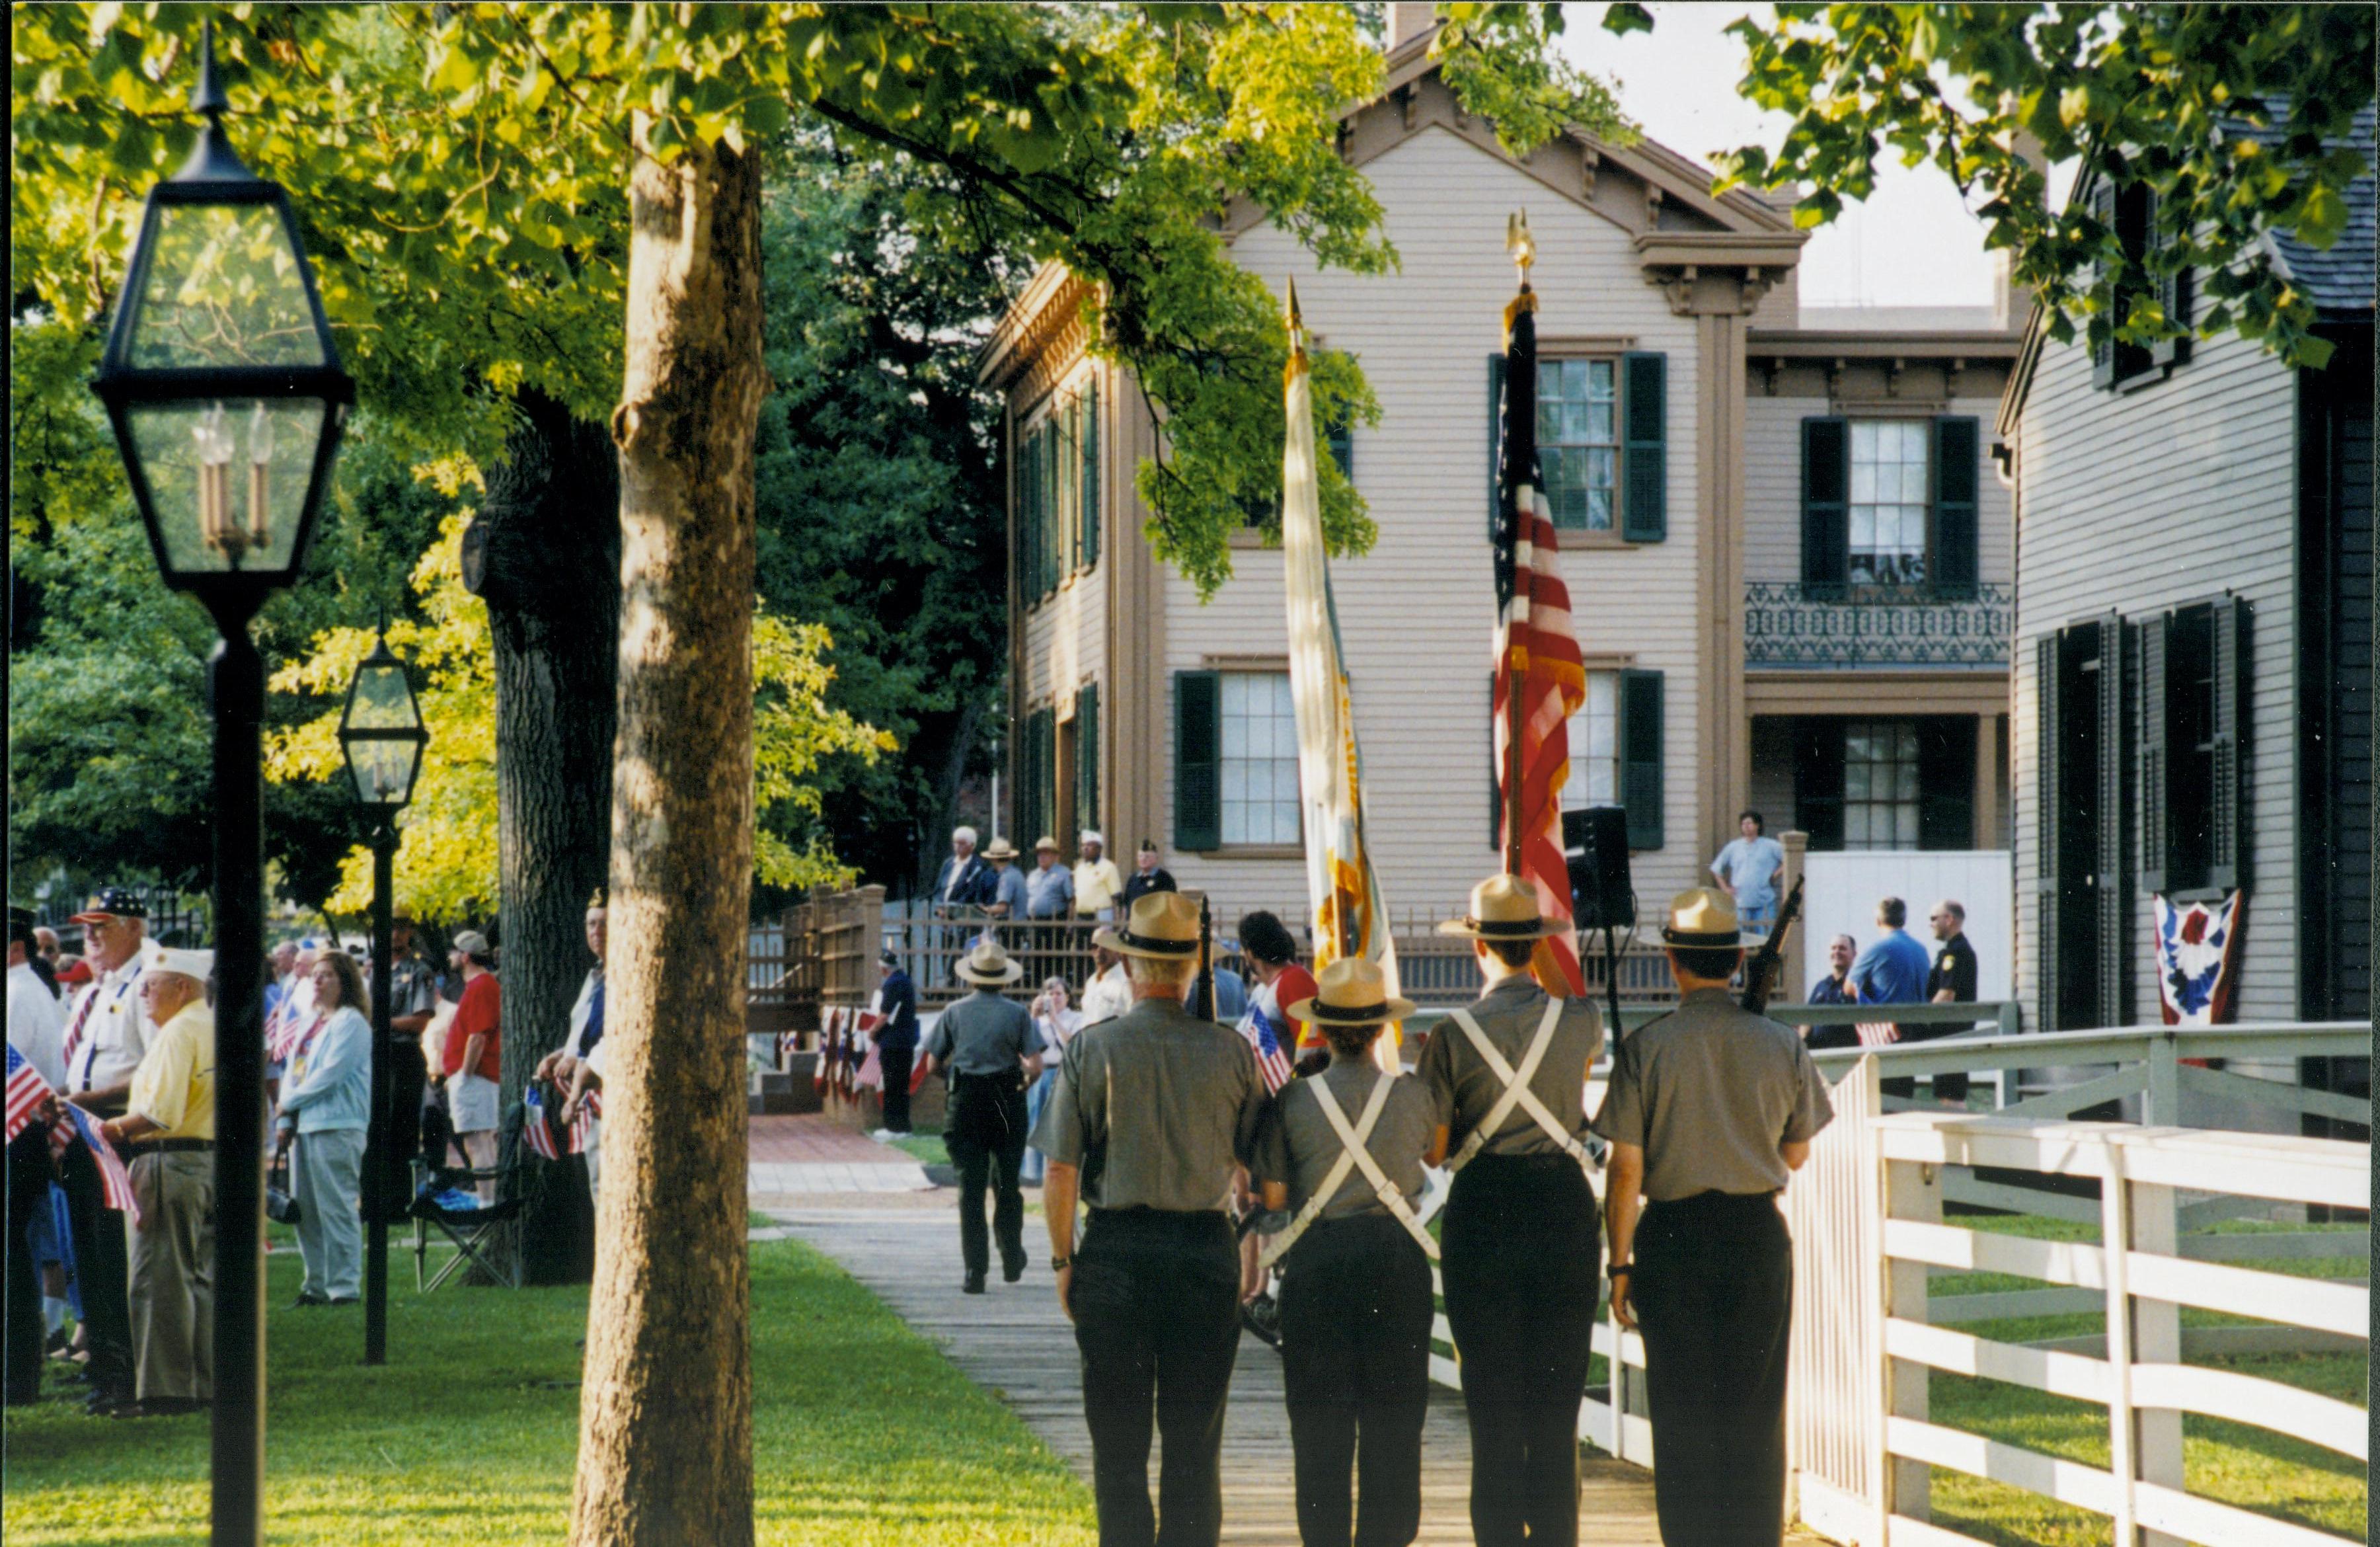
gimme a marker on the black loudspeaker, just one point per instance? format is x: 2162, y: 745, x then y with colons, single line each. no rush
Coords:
x: 1596, y: 843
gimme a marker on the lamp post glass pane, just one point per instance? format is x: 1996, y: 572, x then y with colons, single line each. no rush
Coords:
x: 383, y: 735
x: 227, y: 478
x: 383, y: 769
x: 223, y: 288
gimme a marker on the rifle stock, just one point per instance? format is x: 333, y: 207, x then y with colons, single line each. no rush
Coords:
x: 1760, y: 972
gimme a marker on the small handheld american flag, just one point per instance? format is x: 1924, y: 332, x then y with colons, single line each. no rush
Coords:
x: 114, y: 1181
x: 26, y: 1091
x: 1270, y: 1058
x: 535, y: 1128
x: 539, y: 1132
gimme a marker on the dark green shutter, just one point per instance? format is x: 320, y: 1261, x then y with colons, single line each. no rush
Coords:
x: 2174, y: 296
x: 1198, y: 760
x: 1641, y: 705
x: 1945, y: 782
x: 1643, y: 459
x: 1826, y: 508
x: 1819, y: 782
x: 2113, y: 893
x: 1049, y: 773
x: 1086, y: 756
x: 1958, y: 558
x: 1053, y: 469
x: 1495, y: 441
x: 2229, y: 850
x: 2155, y: 839
x: 2103, y: 354
x: 1339, y: 437
x: 1091, y: 474
x: 1028, y: 779
x: 2046, y: 808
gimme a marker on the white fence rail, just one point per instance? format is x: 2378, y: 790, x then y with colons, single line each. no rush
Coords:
x: 1869, y: 1233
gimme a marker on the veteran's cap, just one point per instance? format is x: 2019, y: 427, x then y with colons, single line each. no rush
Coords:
x: 113, y: 902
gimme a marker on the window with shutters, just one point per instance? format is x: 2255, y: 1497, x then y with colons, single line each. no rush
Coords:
x: 1259, y: 744
x: 1595, y: 746
x: 1086, y: 756
x: 1058, y: 493
x: 2132, y: 212
x: 1578, y: 441
x: 2084, y: 889
x: 2189, y: 778
x: 1890, y: 495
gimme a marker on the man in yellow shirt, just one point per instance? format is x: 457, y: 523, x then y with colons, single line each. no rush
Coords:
x: 1097, y: 883
x: 168, y: 1130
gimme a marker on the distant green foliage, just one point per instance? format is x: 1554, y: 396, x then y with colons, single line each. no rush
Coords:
x: 2148, y: 95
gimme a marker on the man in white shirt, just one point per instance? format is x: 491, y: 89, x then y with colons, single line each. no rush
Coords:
x: 36, y: 1019
x: 1109, y: 993
x: 107, y: 1034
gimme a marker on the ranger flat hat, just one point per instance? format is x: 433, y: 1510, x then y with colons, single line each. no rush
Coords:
x: 1504, y: 908
x: 1701, y: 918
x: 1001, y: 849
x: 113, y: 902
x: 989, y: 965
x: 1163, y: 927
x: 1352, y: 991
x: 1045, y: 841
x: 199, y: 964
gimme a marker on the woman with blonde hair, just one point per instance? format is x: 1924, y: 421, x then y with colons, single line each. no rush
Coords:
x: 326, y: 1114
x: 1057, y: 1021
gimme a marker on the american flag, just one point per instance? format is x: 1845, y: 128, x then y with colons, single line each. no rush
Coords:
x: 539, y: 1132
x: 114, y: 1181
x: 1270, y: 1058
x: 288, y: 1025
x: 26, y: 1091
x: 1878, y: 1033
x: 1535, y: 644
x: 534, y: 1127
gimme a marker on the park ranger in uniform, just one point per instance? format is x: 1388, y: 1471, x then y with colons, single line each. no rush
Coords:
x: 1509, y: 1074
x: 168, y: 1130
x: 989, y: 1049
x: 1710, y: 1110
x: 1153, y: 1116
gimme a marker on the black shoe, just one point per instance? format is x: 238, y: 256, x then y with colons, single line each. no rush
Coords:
x: 1011, y: 1270
x: 303, y: 1301
x: 340, y: 1299
x: 974, y: 1284
x: 107, y: 1403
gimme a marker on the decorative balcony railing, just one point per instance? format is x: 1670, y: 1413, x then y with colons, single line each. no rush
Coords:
x: 1790, y: 625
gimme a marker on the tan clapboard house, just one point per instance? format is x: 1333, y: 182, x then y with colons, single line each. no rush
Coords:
x: 1787, y: 549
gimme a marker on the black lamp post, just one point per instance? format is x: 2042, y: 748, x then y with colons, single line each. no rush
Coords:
x: 220, y: 363
x: 382, y: 734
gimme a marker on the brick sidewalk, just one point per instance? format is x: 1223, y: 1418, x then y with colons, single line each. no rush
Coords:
x: 810, y: 1153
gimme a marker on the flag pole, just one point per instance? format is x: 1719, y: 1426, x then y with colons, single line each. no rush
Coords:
x: 1524, y: 250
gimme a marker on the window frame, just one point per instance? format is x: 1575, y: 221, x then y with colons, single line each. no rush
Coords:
x: 1924, y: 584
x: 1226, y: 843
x: 1616, y: 360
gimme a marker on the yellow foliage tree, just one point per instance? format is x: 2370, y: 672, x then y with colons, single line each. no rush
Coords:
x: 447, y: 854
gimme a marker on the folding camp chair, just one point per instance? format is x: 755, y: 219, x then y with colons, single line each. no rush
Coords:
x: 442, y: 1201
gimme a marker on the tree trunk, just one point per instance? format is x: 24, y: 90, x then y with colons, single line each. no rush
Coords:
x: 544, y: 555
x: 666, y: 1413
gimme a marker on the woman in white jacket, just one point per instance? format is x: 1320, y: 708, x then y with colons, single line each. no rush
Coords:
x: 326, y: 1114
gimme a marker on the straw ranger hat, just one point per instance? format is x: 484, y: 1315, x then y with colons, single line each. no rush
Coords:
x: 1163, y: 925
x: 990, y: 965
x: 1352, y: 992
x: 1045, y: 842
x: 1504, y: 908
x: 1001, y: 849
x: 1701, y: 918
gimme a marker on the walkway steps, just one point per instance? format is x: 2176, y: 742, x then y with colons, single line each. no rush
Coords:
x: 1016, y: 1342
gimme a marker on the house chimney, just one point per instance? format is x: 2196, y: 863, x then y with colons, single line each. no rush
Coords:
x: 2011, y: 302
x: 1407, y: 20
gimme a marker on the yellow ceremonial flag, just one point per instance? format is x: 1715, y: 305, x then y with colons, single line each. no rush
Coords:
x: 1345, y: 895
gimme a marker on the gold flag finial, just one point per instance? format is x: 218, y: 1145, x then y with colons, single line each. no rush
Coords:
x: 1520, y: 243
x: 1295, y: 319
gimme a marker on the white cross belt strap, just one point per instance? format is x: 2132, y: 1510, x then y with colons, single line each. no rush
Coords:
x: 1517, y: 1092
x: 1353, y: 1150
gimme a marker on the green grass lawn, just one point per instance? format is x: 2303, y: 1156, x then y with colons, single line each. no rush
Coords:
x: 862, y: 1431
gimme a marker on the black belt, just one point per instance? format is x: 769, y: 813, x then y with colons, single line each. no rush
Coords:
x: 171, y: 1147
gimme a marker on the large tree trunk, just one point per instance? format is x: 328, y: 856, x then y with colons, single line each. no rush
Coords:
x: 544, y: 555
x: 665, y: 1414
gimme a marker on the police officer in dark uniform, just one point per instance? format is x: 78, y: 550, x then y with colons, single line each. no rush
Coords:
x: 1953, y: 980
x: 990, y: 1050
x: 896, y: 1040
x: 1347, y: 1147
x: 1509, y: 1073
x: 1151, y: 1119
x: 1710, y: 1109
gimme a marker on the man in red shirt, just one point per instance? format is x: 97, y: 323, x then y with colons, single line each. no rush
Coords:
x: 473, y: 1061
x: 1271, y: 951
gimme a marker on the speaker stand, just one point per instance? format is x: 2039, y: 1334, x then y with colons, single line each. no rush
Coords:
x: 1611, y: 978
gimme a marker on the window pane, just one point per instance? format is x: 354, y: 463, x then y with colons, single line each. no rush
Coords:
x: 1889, y: 498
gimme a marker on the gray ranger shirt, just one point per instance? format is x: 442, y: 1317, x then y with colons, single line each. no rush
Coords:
x: 1465, y: 1088
x: 1708, y: 1092
x: 1157, y: 1109
x: 984, y: 1034
x: 1297, y: 1146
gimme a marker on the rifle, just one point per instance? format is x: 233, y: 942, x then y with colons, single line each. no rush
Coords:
x: 1202, y: 994
x: 1760, y: 972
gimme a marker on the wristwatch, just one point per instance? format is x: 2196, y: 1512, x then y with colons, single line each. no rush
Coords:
x: 1060, y: 1265
x: 1619, y: 1269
